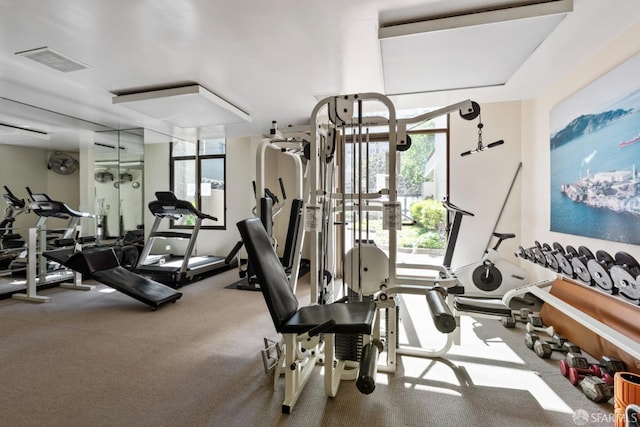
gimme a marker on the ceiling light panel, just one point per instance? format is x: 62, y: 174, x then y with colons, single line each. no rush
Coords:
x: 53, y: 59
x: 184, y: 107
x: 467, y: 51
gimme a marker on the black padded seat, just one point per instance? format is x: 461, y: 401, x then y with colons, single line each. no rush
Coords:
x: 351, y: 317
x: 491, y: 306
x: 61, y: 256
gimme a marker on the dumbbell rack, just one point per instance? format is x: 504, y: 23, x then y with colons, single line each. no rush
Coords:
x: 613, y: 336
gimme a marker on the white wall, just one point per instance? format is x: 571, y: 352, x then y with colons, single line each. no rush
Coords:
x: 480, y: 182
x: 536, y: 154
x: 240, y: 171
x: 28, y: 168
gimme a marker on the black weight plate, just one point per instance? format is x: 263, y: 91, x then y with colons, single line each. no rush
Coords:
x: 571, y: 251
x: 546, y: 247
x: 585, y: 252
x: 486, y: 278
x: 558, y: 247
x: 604, y: 258
x: 538, y: 245
x: 623, y: 258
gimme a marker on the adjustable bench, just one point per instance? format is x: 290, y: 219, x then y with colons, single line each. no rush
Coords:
x: 301, y: 326
x: 101, y: 264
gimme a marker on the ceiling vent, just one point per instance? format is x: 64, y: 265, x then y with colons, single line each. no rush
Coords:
x: 185, y: 106
x: 51, y: 58
x: 465, y: 50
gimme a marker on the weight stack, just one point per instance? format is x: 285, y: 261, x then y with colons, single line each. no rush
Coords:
x: 349, y: 346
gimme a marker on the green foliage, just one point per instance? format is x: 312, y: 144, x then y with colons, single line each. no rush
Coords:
x: 412, y: 165
x: 430, y: 240
x: 428, y: 214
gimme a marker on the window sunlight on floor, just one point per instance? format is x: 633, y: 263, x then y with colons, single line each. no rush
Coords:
x: 480, y: 360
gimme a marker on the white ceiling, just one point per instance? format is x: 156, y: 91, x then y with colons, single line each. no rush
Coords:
x: 271, y: 59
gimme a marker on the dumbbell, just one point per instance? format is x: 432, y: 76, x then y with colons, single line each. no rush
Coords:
x: 563, y: 258
x: 574, y: 361
x: 579, y: 263
x: 538, y: 254
x: 625, y: 275
x: 544, y: 348
x: 523, y: 316
x: 607, y: 367
x: 550, y: 258
x: 599, y: 267
x: 596, y: 389
x: 530, y: 327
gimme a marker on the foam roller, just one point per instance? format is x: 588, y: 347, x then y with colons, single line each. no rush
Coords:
x: 366, y: 381
x: 442, y: 317
x: 626, y: 386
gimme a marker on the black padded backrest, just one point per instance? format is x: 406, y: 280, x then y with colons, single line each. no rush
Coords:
x: 292, y: 233
x: 280, y: 299
x: 100, y: 258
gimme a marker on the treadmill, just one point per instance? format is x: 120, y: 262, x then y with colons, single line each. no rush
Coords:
x: 171, y: 269
x: 100, y: 263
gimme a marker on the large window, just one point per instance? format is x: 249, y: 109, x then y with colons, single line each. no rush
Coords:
x: 422, y: 182
x: 198, y: 175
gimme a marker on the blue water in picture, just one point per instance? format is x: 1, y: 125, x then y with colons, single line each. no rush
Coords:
x: 593, y: 153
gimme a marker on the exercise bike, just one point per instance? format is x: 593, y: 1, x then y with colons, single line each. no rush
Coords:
x: 490, y: 277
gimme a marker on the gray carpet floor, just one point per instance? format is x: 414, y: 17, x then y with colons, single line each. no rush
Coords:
x: 100, y: 358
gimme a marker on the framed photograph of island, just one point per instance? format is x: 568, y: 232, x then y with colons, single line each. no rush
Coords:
x: 595, y: 158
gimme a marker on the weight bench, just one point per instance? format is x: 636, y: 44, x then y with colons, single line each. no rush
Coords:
x: 300, y: 326
x: 102, y: 264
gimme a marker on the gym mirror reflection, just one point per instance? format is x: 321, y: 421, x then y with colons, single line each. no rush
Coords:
x: 118, y: 176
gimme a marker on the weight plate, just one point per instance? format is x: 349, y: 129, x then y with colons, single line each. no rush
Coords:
x: 558, y: 247
x: 623, y: 258
x: 539, y: 256
x: 601, y: 277
x: 571, y: 251
x: 552, y: 262
x: 546, y: 247
x: 625, y: 282
x: 580, y: 270
x: 605, y: 258
x: 487, y: 278
x: 564, y: 265
x: 585, y: 252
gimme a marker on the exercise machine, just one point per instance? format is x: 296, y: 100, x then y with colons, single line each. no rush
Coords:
x: 309, y: 332
x: 172, y: 269
x: 11, y: 243
x: 490, y: 277
x: 43, y: 270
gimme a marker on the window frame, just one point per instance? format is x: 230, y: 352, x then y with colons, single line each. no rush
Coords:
x: 198, y: 159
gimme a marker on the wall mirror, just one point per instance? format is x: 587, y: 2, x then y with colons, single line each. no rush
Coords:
x: 118, y: 180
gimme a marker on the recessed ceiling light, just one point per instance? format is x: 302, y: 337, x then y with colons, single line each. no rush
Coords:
x: 53, y: 59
